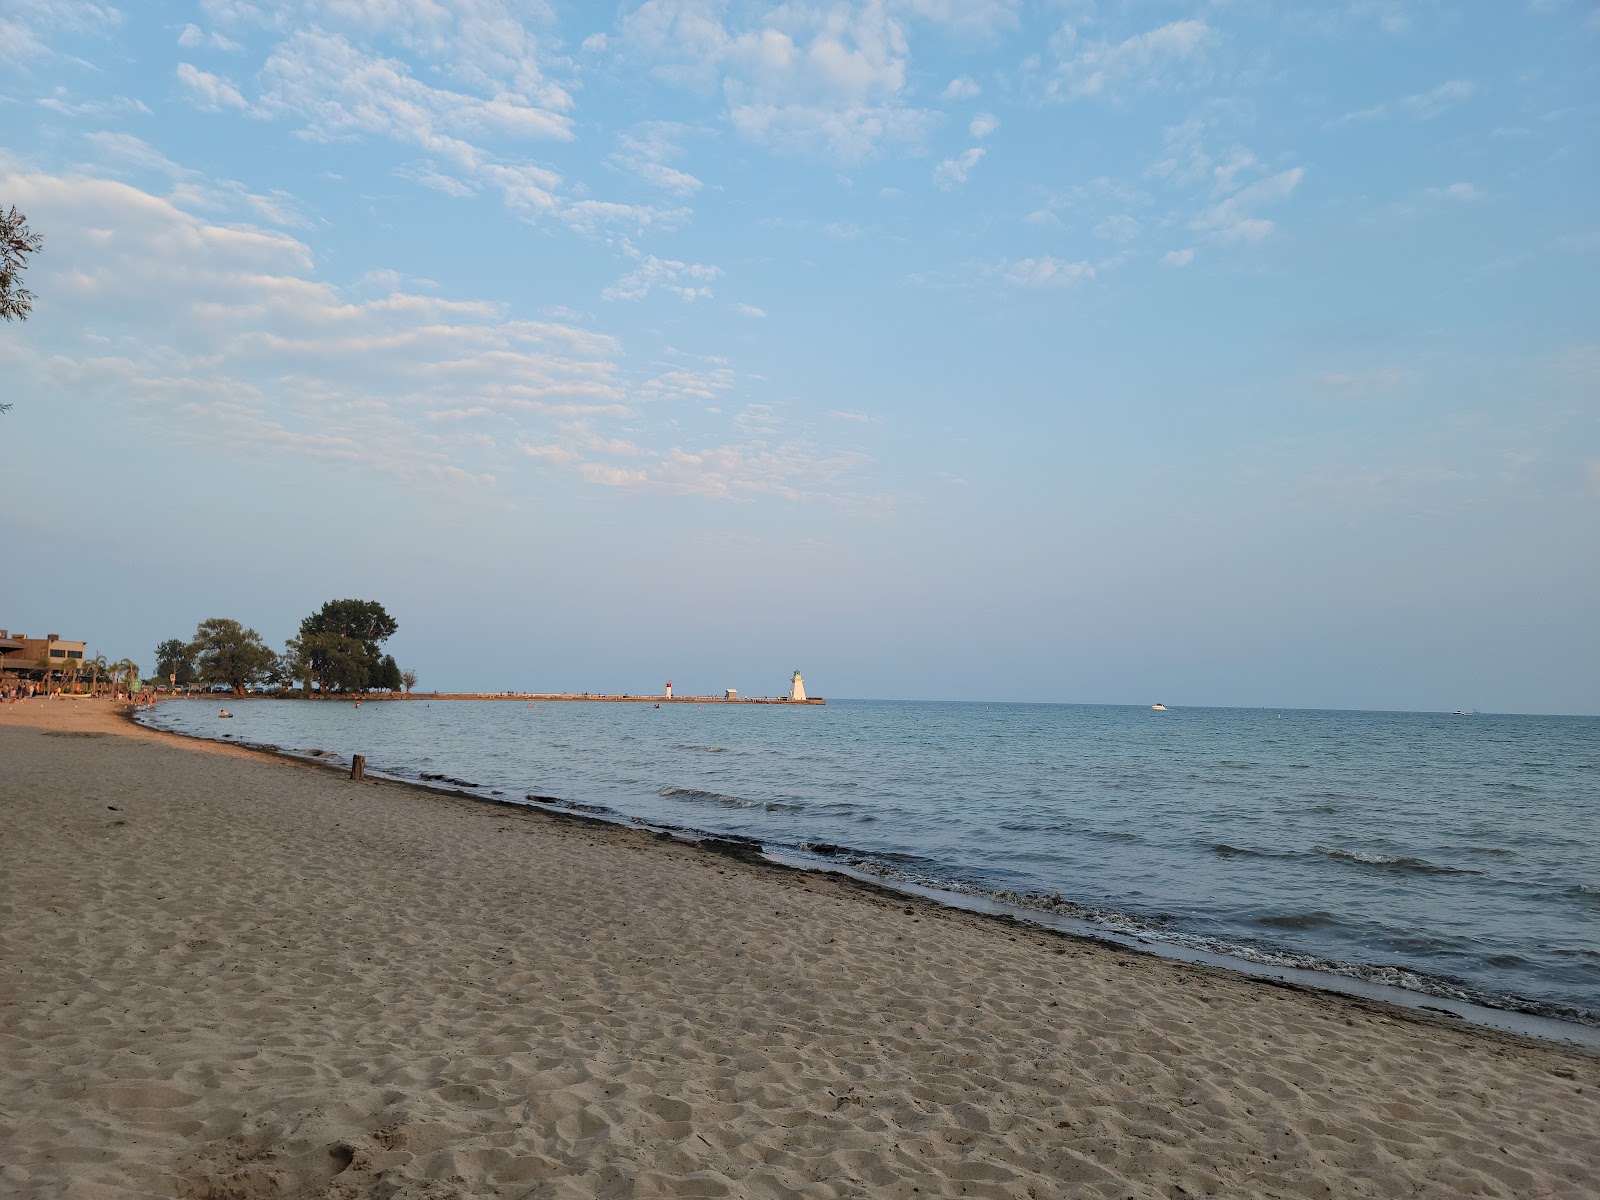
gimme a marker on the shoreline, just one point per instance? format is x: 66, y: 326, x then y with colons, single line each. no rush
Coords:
x: 248, y: 977
x: 528, y: 697
x: 1519, y: 1015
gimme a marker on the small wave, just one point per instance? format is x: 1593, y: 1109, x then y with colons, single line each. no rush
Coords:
x: 1393, y: 862
x: 451, y: 780
x: 1237, y: 766
x: 569, y: 805
x: 700, y: 795
x: 1586, y: 891
x: 1224, y: 850
x: 703, y: 749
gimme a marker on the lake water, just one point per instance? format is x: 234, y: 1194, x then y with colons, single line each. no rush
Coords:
x: 1457, y: 856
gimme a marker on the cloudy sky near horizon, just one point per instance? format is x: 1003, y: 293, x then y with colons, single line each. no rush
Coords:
x: 1223, y: 352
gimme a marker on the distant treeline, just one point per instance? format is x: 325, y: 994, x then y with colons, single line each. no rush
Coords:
x: 339, y: 649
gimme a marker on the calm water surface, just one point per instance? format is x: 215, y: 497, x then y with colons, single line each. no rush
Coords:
x: 1458, y: 856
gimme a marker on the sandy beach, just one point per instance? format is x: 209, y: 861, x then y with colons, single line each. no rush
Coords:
x: 227, y: 975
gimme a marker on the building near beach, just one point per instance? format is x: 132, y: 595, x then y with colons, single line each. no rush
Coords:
x: 18, y: 652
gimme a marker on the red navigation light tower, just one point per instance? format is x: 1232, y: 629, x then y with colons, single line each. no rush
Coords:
x: 669, y: 689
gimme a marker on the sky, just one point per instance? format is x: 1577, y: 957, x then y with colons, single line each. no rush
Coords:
x: 1231, y: 352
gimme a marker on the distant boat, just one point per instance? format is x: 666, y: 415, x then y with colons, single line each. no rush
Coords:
x: 1158, y: 708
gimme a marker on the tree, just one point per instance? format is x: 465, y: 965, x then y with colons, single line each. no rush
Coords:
x: 175, y: 658
x: 126, y: 672
x: 348, y: 629
x: 389, y: 677
x: 336, y: 662
x: 97, y: 664
x: 409, y: 678
x: 226, y: 652
x: 16, y: 243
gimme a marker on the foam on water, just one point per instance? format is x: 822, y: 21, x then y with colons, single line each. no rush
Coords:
x: 1448, y: 856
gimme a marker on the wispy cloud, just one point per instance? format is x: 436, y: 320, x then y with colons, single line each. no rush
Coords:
x: 1143, y: 60
x: 953, y: 171
x: 687, y: 281
x: 1238, y: 217
x: 1422, y: 106
x: 1046, y: 272
x: 210, y: 92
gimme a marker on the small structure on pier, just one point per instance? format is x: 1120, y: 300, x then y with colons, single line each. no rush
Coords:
x: 732, y: 694
x: 797, y: 687
x: 669, y: 689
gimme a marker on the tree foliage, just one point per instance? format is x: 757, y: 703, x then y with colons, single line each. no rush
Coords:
x: 17, y: 241
x: 339, y: 645
x: 174, y: 657
x: 226, y: 652
x: 335, y: 663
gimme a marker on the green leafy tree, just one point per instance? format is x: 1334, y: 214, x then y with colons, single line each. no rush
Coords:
x: 336, y: 662
x: 226, y: 652
x: 348, y: 629
x: 175, y: 658
x: 389, y: 677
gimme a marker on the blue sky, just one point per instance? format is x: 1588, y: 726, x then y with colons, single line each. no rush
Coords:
x: 1216, y: 353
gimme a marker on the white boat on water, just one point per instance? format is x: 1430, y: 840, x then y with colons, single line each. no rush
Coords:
x: 1158, y: 708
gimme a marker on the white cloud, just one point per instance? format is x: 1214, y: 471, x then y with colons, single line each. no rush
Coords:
x: 1178, y: 258
x: 595, y: 43
x: 1423, y: 106
x: 210, y: 92
x: 820, y: 81
x: 962, y: 88
x: 226, y: 336
x: 1237, y: 218
x: 124, y: 154
x: 1047, y: 272
x: 687, y: 281
x: 1139, y: 61
x: 1446, y: 96
x: 749, y: 310
x: 27, y: 28
x: 193, y: 36
x: 553, y: 454
x: 647, y: 151
x: 60, y: 102
x: 339, y: 91
x: 953, y: 171
x: 983, y: 125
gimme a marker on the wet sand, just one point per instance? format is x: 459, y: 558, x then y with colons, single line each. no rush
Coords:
x: 226, y: 975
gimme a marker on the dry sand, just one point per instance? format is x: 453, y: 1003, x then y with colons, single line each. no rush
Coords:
x: 230, y: 976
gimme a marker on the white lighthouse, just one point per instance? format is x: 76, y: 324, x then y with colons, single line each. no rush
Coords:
x: 669, y: 689
x: 797, y: 687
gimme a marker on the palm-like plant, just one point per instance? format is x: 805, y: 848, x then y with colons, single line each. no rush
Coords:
x: 96, y: 664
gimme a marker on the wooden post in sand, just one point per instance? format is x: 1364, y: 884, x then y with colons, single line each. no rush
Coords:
x: 358, y: 767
